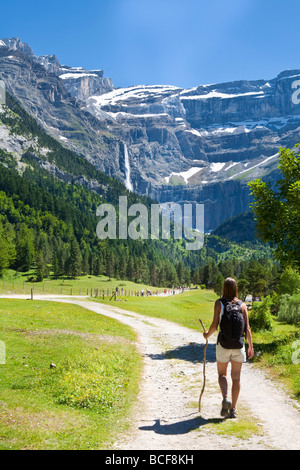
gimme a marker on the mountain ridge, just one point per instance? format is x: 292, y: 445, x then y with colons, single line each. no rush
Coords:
x: 198, y: 145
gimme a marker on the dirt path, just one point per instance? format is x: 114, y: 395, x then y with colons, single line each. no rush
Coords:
x: 166, y: 415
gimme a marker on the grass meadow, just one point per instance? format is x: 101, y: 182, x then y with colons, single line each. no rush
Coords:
x: 184, y: 309
x: 21, y: 283
x: 85, y: 400
x: 80, y: 403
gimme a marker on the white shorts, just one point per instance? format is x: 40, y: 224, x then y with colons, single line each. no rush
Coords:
x: 226, y: 355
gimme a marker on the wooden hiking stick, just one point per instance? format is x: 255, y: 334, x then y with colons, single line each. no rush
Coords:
x: 204, y: 362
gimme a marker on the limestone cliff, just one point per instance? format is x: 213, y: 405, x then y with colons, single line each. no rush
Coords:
x: 201, y: 144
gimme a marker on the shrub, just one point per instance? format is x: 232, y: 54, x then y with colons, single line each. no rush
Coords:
x: 275, y: 301
x: 260, y: 315
x: 289, y: 309
x: 289, y: 282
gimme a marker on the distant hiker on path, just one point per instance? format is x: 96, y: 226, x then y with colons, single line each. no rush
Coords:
x: 231, y: 315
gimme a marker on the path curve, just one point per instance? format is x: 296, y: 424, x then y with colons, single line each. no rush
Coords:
x: 166, y: 415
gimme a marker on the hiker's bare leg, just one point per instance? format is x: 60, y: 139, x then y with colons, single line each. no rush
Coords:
x: 236, y: 368
x: 222, y: 372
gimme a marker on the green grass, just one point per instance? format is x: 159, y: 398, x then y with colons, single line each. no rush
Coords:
x: 244, y: 427
x: 19, y: 283
x: 275, y: 350
x: 81, y: 403
x: 184, y: 309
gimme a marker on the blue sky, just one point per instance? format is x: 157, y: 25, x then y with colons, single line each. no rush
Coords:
x: 176, y: 42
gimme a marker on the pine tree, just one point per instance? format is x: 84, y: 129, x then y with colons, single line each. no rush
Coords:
x: 55, y: 266
x: 41, y: 267
x: 75, y: 259
x: 122, y: 269
x: 4, y: 256
x: 25, y: 249
x: 130, y: 269
x: 85, y: 262
x: 218, y: 288
x: 7, y: 248
x: 110, y: 265
x: 195, y: 276
x: 180, y: 272
x: 142, y: 269
x: 154, y: 275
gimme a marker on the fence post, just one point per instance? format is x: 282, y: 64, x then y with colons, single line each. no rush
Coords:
x: 114, y: 294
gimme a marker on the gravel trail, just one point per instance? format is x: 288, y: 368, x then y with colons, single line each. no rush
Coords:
x: 166, y: 414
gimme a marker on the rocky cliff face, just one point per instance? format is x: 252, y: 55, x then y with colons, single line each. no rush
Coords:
x: 80, y: 83
x: 44, y: 95
x: 201, y: 144
x: 206, y: 143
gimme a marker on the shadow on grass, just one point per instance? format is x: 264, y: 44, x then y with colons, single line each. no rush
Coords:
x: 192, y: 352
x: 181, y: 427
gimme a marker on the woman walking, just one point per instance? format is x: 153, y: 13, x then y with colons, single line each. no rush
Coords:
x: 231, y: 315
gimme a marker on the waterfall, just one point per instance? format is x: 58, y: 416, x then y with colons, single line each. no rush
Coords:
x: 128, y: 183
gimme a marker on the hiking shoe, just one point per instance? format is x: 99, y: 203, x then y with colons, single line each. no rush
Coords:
x: 232, y: 413
x: 226, y: 404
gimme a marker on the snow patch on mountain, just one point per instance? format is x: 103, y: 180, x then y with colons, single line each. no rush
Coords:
x: 137, y: 93
x: 66, y: 76
x: 216, y: 94
x: 186, y: 175
x: 217, y: 166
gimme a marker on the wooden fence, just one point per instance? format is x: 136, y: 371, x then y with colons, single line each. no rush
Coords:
x: 31, y: 288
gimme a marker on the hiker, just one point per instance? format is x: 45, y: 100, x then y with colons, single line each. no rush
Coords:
x: 231, y: 315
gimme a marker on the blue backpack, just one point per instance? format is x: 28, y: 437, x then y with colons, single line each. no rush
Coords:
x: 232, y: 325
